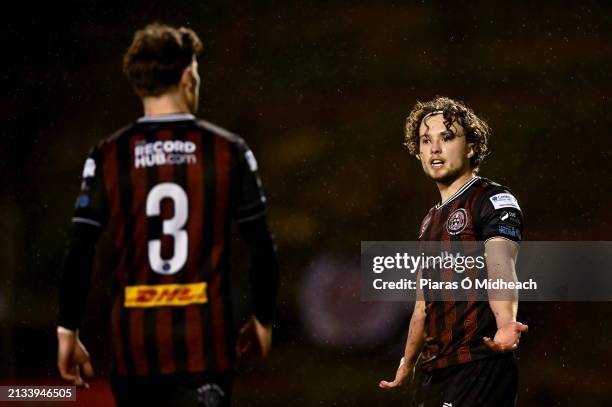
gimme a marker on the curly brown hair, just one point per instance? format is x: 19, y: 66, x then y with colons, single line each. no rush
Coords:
x: 157, y: 57
x: 476, y: 130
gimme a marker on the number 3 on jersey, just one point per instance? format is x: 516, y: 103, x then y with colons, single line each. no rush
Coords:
x: 172, y: 227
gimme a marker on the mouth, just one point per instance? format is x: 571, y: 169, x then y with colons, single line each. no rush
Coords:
x: 436, y: 163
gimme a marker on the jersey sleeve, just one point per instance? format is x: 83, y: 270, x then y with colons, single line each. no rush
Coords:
x: 90, y: 206
x: 500, y: 215
x: 249, y: 198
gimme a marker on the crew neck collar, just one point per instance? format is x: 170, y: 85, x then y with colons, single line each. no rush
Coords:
x: 169, y: 117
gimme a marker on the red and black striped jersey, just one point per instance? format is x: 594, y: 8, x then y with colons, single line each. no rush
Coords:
x: 478, y: 211
x: 169, y: 186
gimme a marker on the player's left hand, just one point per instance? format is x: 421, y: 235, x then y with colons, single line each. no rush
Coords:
x: 404, y: 371
x: 507, y: 337
x: 73, y: 358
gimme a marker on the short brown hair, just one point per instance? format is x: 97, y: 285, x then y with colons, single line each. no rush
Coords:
x: 157, y: 57
x: 476, y: 130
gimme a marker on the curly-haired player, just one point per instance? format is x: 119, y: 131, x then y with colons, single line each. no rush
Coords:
x: 464, y: 346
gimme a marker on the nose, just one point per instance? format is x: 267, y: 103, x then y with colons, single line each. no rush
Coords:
x: 435, y: 146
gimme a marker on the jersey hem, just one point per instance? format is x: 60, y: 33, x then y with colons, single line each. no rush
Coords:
x: 87, y: 221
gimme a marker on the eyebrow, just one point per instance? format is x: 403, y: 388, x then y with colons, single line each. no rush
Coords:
x: 443, y: 133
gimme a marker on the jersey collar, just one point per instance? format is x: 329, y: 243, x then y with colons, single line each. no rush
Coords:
x: 172, y: 117
x: 459, y: 192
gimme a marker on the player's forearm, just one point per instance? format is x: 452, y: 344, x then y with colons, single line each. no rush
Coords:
x: 504, y: 311
x: 74, y: 282
x: 264, y: 275
x: 501, y: 260
x: 504, y: 303
x: 416, y: 334
x: 264, y: 284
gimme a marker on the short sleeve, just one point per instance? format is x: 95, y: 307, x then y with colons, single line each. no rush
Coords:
x: 90, y: 206
x: 500, y: 215
x: 250, y: 201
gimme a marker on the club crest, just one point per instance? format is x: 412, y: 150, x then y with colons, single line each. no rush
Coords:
x: 456, y: 222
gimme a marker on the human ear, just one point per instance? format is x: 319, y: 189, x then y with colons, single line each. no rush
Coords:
x: 471, y: 151
x: 187, y: 78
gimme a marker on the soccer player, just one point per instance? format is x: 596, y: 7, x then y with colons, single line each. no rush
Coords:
x: 169, y: 186
x: 464, y: 346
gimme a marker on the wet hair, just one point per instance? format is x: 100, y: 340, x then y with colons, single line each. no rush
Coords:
x: 158, y: 56
x: 476, y: 130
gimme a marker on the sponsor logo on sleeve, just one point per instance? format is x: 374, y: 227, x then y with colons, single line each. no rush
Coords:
x: 163, y: 295
x: 510, y: 231
x: 504, y: 200
x: 510, y: 217
x: 82, y: 201
x: 89, y: 170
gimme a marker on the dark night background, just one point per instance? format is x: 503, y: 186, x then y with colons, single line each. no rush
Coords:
x: 320, y: 91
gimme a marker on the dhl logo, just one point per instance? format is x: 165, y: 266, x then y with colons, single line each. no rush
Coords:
x: 165, y: 295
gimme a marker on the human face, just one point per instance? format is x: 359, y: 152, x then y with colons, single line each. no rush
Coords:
x: 444, y: 154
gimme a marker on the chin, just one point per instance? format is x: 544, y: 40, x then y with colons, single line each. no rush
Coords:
x: 445, y: 178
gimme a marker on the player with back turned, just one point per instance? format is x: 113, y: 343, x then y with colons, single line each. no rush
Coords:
x: 464, y: 346
x: 168, y: 186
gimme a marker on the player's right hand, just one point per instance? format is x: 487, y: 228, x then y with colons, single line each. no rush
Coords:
x: 72, y: 358
x: 404, y: 371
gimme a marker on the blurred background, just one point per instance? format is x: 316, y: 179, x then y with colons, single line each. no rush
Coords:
x: 320, y: 91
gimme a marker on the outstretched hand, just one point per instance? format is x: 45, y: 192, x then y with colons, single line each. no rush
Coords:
x: 73, y: 358
x: 507, y: 337
x: 404, y: 371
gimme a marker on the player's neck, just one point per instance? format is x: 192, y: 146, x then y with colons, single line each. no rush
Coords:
x: 448, y: 189
x: 168, y: 103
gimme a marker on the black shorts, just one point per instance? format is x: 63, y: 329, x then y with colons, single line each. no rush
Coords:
x: 490, y: 382
x: 202, y: 389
